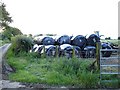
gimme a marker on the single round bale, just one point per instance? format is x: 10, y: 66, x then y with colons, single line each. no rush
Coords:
x: 93, y: 39
x: 51, y: 50
x: 65, y: 39
x: 90, y: 51
x: 48, y: 41
x: 106, y: 53
x: 80, y: 41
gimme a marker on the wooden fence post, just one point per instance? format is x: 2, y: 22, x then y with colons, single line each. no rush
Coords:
x: 44, y: 53
x: 56, y: 51
x: 98, y: 47
x: 73, y: 53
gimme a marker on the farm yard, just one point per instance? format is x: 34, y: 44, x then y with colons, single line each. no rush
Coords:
x: 58, y: 62
x: 48, y: 61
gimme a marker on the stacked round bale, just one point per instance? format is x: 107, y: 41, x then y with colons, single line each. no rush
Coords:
x: 65, y: 45
x: 60, y: 46
x: 66, y: 49
x: 46, y: 45
x: 90, y: 49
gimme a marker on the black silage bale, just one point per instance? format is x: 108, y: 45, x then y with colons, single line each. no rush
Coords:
x: 48, y: 41
x: 65, y: 39
x: 90, y: 51
x: 80, y: 41
x: 93, y: 39
x: 51, y: 50
x: 66, y: 50
x: 106, y: 53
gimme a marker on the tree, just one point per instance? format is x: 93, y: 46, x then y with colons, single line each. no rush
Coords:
x: 10, y: 32
x: 5, y: 18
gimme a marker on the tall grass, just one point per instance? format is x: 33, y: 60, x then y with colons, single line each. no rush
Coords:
x: 33, y: 68
x: 53, y: 71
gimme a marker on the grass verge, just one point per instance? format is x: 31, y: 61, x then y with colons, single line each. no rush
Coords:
x: 53, y: 71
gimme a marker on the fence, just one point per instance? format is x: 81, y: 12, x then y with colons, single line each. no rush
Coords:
x: 109, y: 65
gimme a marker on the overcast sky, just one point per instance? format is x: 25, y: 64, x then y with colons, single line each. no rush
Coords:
x: 65, y: 16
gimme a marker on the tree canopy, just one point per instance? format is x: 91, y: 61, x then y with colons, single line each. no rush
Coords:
x: 11, y: 32
x: 5, y: 18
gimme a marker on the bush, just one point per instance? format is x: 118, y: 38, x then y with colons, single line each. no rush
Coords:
x: 10, y: 32
x: 21, y: 43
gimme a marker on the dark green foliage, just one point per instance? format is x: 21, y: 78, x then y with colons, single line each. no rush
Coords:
x: 5, y: 18
x: 89, y: 79
x: 10, y: 32
x: 73, y: 66
x: 2, y: 37
x: 21, y: 44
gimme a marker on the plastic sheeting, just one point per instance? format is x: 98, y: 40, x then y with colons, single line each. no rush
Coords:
x: 48, y: 41
x: 65, y: 39
x: 80, y: 41
x: 106, y: 53
x: 67, y: 50
x: 90, y: 51
x: 50, y: 50
x: 92, y: 39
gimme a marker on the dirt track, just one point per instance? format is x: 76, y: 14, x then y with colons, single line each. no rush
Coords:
x: 6, y: 83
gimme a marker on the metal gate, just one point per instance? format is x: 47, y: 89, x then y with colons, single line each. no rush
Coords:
x: 109, y: 65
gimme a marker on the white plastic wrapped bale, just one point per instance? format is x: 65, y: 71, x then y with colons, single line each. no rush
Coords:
x: 77, y: 51
x: 50, y: 50
x: 90, y: 51
x: 34, y: 47
x: 37, y: 48
x: 63, y: 46
x: 66, y: 50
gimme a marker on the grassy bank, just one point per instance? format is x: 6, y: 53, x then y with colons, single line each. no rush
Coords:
x: 30, y: 68
x: 57, y: 71
x: 53, y: 71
